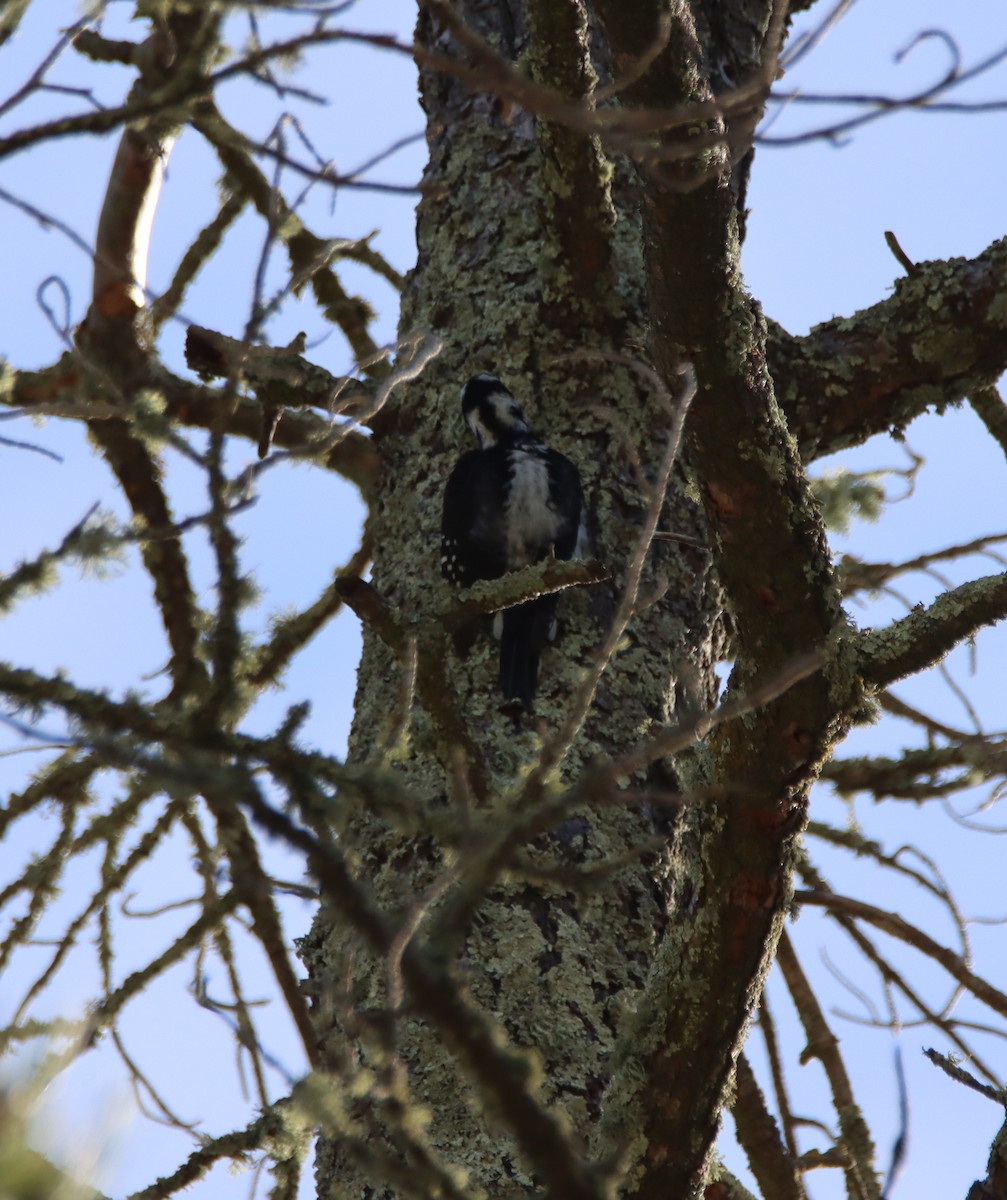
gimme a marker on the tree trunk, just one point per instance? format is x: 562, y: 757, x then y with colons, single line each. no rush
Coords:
x: 628, y: 945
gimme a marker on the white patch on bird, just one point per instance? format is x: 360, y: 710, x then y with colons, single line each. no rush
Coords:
x: 449, y: 557
x: 499, y: 413
x: 531, y: 521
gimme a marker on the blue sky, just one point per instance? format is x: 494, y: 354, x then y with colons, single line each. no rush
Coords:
x: 815, y: 249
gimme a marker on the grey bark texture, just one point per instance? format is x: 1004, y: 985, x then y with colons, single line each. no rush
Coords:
x: 626, y: 976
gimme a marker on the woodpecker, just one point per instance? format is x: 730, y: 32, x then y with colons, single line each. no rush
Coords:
x: 512, y: 502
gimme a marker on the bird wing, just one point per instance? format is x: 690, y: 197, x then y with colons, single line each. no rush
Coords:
x: 471, y: 547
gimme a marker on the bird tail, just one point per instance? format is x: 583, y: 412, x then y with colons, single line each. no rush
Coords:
x: 525, y: 631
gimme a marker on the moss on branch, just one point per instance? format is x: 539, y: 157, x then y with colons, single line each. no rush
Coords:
x: 941, y: 336
x: 926, y: 635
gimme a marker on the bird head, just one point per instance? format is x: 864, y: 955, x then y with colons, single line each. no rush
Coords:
x: 490, y: 411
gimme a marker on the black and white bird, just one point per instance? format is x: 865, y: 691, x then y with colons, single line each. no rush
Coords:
x: 512, y: 502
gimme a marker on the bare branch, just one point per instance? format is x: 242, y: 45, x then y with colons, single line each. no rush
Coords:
x: 875, y: 106
x: 898, y: 927
x: 760, y: 1139
x: 956, y: 1072
x: 823, y: 1045
x: 309, y: 255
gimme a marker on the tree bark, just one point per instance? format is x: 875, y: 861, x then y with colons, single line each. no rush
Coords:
x: 521, y: 272
x: 630, y: 990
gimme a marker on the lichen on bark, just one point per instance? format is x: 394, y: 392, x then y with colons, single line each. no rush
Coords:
x: 557, y: 961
